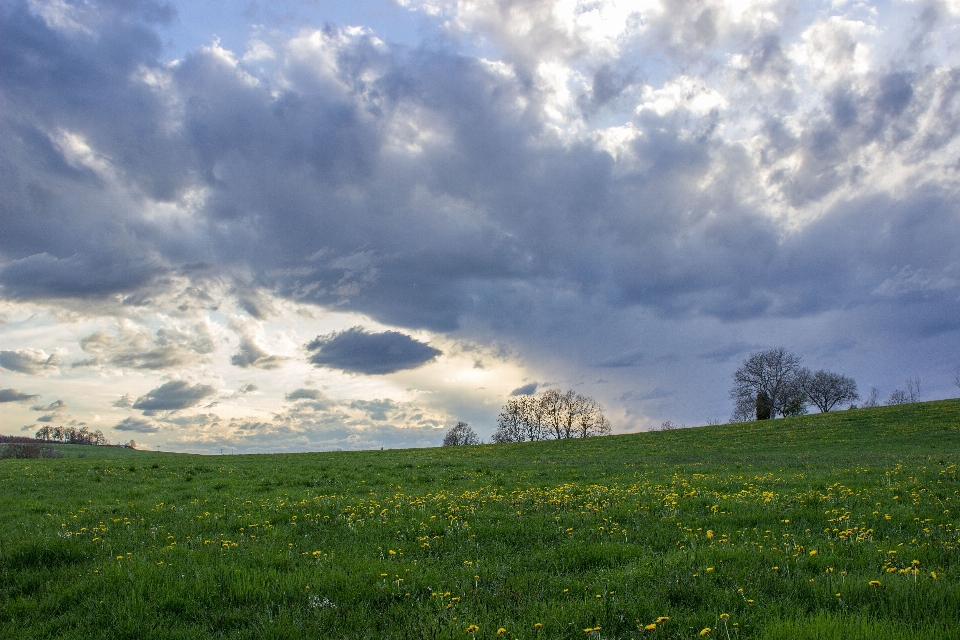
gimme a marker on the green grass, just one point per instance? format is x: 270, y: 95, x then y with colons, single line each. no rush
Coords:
x: 764, y: 522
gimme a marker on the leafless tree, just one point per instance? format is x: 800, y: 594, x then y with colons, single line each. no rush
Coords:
x: 873, y: 400
x: 668, y: 425
x: 460, y: 435
x: 913, y: 389
x: 774, y: 372
x: 550, y: 415
x: 826, y: 390
x: 899, y: 396
x: 956, y: 378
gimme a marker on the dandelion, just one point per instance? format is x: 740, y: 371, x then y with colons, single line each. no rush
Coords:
x: 709, y: 569
x: 933, y: 574
x: 473, y: 628
x: 706, y: 631
x: 392, y: 552
x: 813, y: 552
x: 662, y: 619
x: 539, y: 625
x: 650, y: 627
x: 709, y: 534
x: 501, y: 630
x: 724, y: 616
x: 875, y: 583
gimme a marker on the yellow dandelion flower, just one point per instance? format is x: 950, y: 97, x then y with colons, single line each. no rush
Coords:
x: 539, y: 625
x: 813, y: 552
x: 473, y: 628
x: 650, y: 627
x: 933, y: 574
x: 392, y: 552
x: 706, y: 631
x: 875, y: 583
x: 724, y: 616
x: 501, y: 630
x: 662, y: 619
x: 709, y: 534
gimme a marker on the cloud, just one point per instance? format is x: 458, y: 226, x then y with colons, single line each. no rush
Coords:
x: 249, y: 354
x: 304, y: 394
x: 124, y: 402
x: 137, y: 425
x: 14, y: 395
x: 33, y: 362
x: 359, y: 351
x: 526, y: 390
x: 133, y: 347
x: 631, y: 358
x: 173, y: 396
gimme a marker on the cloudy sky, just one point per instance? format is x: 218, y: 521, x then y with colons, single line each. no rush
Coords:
x: 274, y: 225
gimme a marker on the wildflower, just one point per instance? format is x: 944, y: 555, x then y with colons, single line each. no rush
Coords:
x: 539, y: 625
x: 709, y: 569
x: 724, y: 616
x: 813, y: 552
x: 473, y: 628
x: 392, y: 552
x: 709, y: 534
x: 875, y: 583
x: 501, y: 630
x: 933, y: 574
x: 662, y: 619
x: 706, y: 631
x: 775, y: 568
x: 650, y: 627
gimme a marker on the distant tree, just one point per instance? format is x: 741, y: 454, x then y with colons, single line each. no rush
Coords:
x: 899, y: 396
x: 773, y: 372
x: 44, y: 433
x: 956, y: 378
x: 460, y: 435
x: 131, y: 444
x: 550, y: 415
x: 826, y: 390
x: 667, y: 425
x: 873, y: 400
x: 913, y: 389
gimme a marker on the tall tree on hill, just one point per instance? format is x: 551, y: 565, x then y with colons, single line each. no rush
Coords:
x: 460, y: 435
x: 826, y: 390
x: 777, y: 373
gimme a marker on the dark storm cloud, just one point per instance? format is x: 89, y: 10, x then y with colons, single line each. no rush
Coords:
x: 359, y: 351
x: 136, y: 425
x: 172, y: 396
x: 15, y: 395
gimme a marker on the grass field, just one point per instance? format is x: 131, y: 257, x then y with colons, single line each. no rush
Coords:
x: 845, y: 525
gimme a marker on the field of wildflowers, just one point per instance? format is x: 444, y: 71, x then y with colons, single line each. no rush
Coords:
x: 844, y: 525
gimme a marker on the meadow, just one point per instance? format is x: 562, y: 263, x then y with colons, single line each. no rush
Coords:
x: 842, y: 525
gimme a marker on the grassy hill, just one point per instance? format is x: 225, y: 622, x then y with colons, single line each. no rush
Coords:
x: 844, y: 525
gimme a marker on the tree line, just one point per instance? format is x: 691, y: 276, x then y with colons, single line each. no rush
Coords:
x: 551, y: 415
x: 70, y: 435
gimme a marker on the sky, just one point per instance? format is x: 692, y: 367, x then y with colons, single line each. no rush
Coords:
x: 269, y: 225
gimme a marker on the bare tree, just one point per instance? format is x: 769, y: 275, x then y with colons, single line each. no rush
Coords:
x: 774, y: 372
x: 956, y: 378
x: 826, y: 390
x: 460, y: 435
x: 913, y: 389
x: 899, y: 396
x: 873, y: 400
x: 551, y: 415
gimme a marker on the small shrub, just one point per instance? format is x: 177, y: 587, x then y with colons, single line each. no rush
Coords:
x: 26, y: 450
